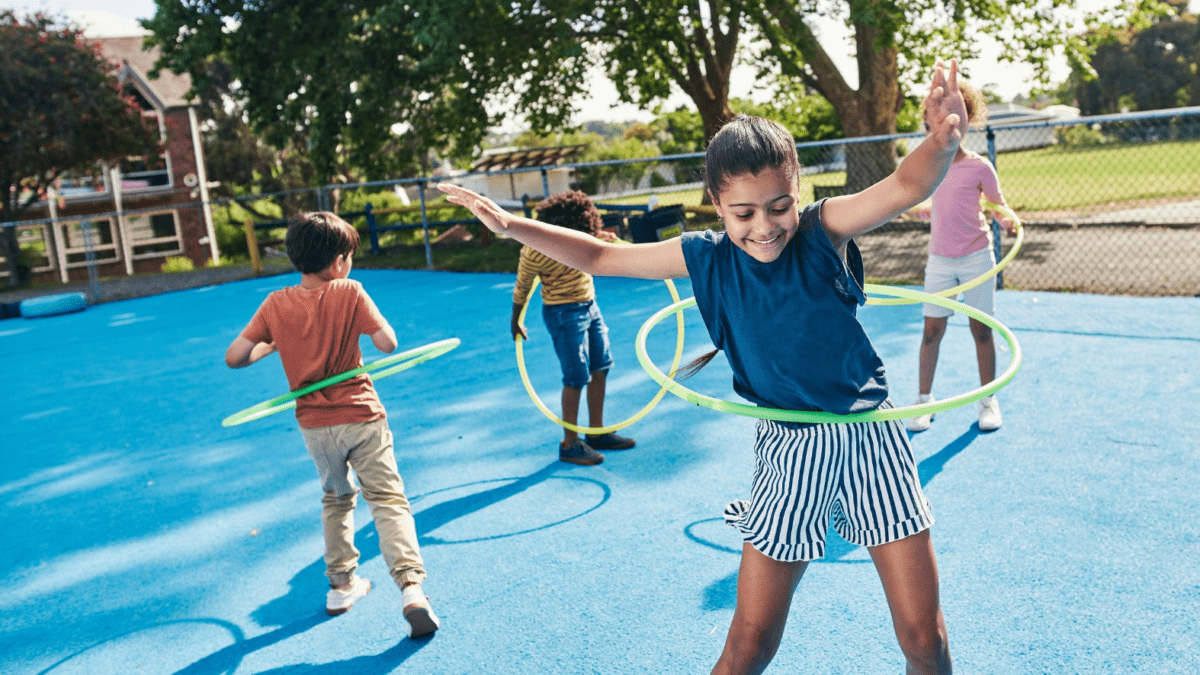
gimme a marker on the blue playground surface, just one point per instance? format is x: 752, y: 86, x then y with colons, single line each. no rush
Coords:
x: 142, y: 537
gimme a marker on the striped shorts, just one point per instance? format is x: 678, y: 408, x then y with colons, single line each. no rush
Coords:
x: 862, y: 477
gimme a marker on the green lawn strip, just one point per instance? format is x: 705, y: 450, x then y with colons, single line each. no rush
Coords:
x: 1072, y: 177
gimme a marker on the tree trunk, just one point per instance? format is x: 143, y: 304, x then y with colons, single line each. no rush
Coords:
x: 868, y: 111
x: 12, y: 254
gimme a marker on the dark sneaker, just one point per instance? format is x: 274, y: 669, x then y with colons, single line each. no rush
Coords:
x: 610, y: 441
x: 579, y: 453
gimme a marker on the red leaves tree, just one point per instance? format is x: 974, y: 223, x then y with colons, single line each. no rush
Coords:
x: 61, y: 109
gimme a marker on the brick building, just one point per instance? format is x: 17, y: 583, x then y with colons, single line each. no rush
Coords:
x: 139, y: 212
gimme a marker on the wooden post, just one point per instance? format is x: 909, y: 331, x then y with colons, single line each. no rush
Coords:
x: 252, y: 244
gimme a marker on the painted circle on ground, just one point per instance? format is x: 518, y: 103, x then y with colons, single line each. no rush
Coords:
x: 805, y: 416
x: 487, y: 509
x: 167, y: 647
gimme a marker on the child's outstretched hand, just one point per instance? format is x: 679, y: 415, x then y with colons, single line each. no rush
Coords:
x: 946, y: 113
x: 487, y: 211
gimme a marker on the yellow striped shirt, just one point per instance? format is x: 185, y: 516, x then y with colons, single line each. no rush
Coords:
x: 560, y: 284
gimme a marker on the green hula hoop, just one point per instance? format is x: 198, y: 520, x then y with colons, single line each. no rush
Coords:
x: 967, y: 285
x: 596, y: 431
x: 825, y: 417
x: 389, y: 365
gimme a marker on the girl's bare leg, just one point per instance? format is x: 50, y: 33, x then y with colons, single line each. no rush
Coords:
x: 931, y: 343
x: 764, y: 595
x: 985, y: 351
x: 909, y: 574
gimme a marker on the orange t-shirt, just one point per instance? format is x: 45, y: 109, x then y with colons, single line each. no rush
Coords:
x: 316, y: 331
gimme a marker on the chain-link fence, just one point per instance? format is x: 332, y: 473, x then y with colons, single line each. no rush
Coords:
x: 1110, y: 204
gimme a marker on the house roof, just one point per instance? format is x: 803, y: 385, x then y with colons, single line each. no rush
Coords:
x: 1012, y: 113
x: 168, y: 89
x: 499, y: 159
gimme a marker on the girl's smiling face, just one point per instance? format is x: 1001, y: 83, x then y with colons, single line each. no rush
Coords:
x: 760, y: 212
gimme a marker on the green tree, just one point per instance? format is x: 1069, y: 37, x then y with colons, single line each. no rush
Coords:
x: 1153, y: 65
x: 373, y: 84
x: 61, y: 109
x: 896, y: 43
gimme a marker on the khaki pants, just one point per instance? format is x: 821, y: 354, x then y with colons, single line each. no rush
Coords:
x: 367, y: 448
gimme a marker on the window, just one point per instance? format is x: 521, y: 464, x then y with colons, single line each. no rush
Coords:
x: 153, y: 235
x: 36, y: 249
x: 103, y: 241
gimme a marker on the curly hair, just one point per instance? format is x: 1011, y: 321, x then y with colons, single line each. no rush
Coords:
x: 571, y: 209
x: 977, y: 108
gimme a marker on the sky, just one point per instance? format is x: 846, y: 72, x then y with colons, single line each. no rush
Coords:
x: 110, y: 18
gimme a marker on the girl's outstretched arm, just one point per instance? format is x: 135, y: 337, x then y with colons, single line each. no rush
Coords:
x: 660, y: 260
x: 918, y: 174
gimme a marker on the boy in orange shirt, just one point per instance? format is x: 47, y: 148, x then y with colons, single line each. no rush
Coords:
x: 315, y: 328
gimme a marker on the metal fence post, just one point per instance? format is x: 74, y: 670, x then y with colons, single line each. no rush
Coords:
x: 89, y: 254
x: 425, y: 225
x: 996, y: 248
x: 371, y: 229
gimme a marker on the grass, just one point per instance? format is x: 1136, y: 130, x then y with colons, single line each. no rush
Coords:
x: 1054, y: 178
x: 1059, y: 177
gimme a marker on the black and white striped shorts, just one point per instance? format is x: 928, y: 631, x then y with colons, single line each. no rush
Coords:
x: 861, y: 476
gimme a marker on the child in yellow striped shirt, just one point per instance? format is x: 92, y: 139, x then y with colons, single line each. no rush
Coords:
x: 576, y: 326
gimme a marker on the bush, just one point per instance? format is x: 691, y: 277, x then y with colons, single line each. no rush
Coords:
x: 178, y: 263
x: 1079, y: 135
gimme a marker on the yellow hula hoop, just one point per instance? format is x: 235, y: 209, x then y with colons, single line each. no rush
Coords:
x: 596, y: 431
x: 967, y: 285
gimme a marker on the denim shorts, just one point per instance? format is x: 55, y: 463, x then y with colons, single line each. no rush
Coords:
x: 580, y: 340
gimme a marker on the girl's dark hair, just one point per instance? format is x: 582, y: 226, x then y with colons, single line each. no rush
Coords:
x: 315, y: 239
x: 571, y: 209
x: 748, y: 145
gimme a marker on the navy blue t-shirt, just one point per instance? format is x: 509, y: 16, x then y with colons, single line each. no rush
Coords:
x: 788, y: 327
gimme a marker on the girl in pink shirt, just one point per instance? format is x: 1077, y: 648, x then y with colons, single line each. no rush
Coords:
x: 960, y: 249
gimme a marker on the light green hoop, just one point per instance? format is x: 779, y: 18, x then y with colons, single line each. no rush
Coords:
x: 967, y: 285
x: 596, y: 431
x: 389, y: 365
x: 824, y: 417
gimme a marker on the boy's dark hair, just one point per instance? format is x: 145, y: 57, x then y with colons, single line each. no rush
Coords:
x: 571, y: 209
x: 748, y: 145
x: 315, y: 239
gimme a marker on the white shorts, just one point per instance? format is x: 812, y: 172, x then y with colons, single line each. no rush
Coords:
x: 942, y: 273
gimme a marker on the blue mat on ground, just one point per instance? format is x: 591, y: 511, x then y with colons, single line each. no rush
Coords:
x: 141, y: 536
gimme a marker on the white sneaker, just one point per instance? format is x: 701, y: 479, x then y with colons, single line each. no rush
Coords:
x: 921, y: 423
x: 417, y: 612
x: 989, y: 414
x: 339, y: 601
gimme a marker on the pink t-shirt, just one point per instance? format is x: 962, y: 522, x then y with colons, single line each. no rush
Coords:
x: 958, y: 224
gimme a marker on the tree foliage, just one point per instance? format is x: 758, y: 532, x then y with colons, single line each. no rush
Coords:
x: 1146, y: 67
x: 374, y: 84
x: 61, y: 109
x: 896, y: 43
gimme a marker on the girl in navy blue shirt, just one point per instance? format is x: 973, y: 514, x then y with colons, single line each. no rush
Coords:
x: 778, y: 291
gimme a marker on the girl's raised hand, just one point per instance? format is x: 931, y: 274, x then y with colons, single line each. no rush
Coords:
x: 947, y: 113
x: 487, y: 211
